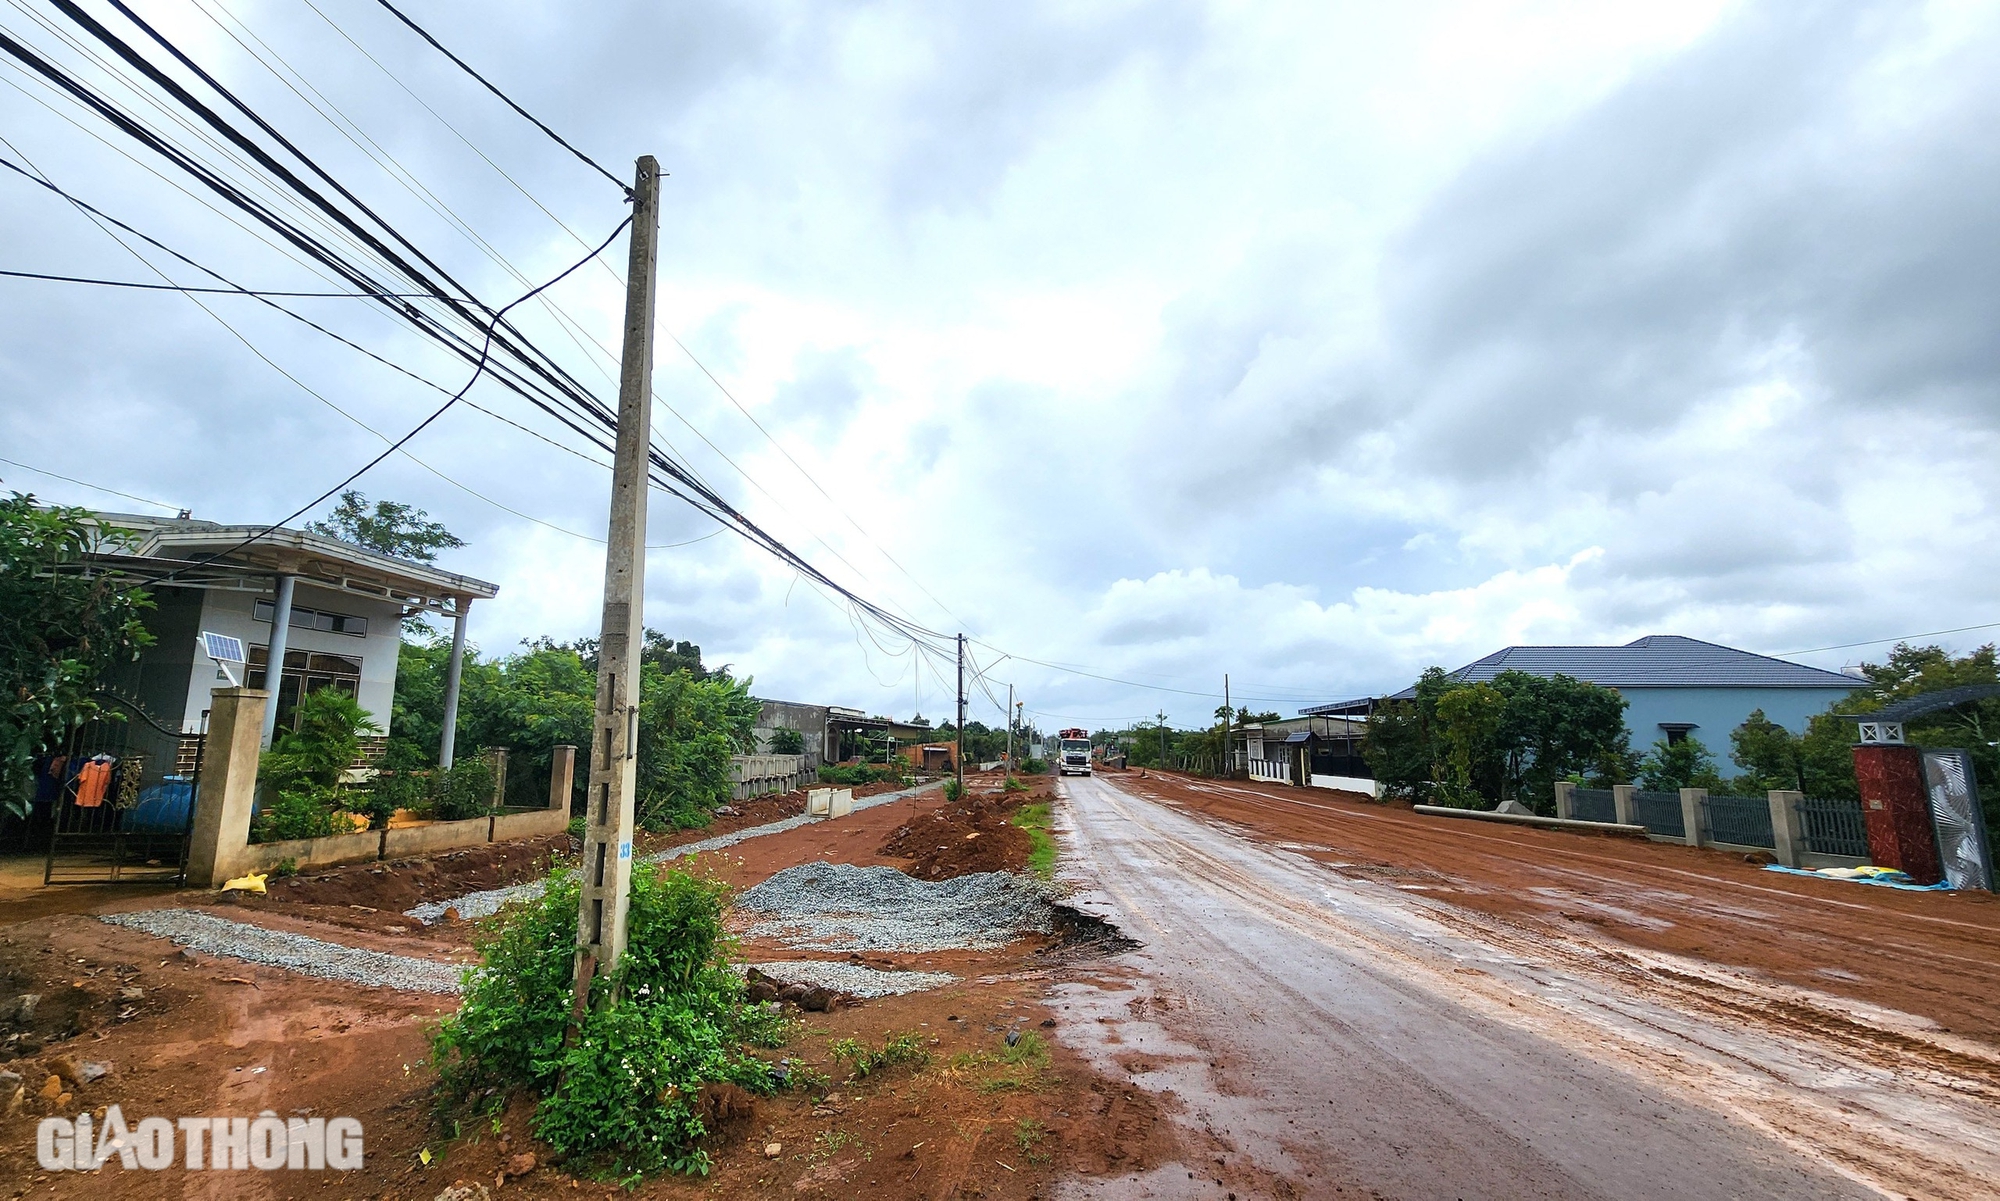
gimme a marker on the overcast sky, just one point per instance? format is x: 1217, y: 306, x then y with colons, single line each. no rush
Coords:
x: 1310, y: 343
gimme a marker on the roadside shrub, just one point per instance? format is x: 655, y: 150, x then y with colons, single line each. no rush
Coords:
x: 954, y: 791
x: 286, y: 868
x: 1014, y: 785
x: 623, y: 1098
x: 858, y: 775
x: 300, y: 813
x: 465, y: 790
x: 864, y: 1061
x: 1035, y: 767
x: 787, y: 741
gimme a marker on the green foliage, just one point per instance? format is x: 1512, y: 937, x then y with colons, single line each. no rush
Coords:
x: 327, y: 737
x: 787, y: 741
x: 1769, y: 754
x: 863, y: 1061
x: 576, y: 828
x: 1013, y: 785
x: 1035, y: 767
x: 300, y: 813
x: 389, y: 528
x: 1684, y: 764
x: 1474, y: 744
x: 286, y: 868
x: 1028, y: 1135
x: 858, y: 774
x: 688, y: 730
x: 623, y: 1098
x: 954, y: 790
x: 690, y: 720
x: 465, y: 791
x: 1036, y: 820
x: 1028, y: 1051
x: 60, y: 632
x: 301, y: 776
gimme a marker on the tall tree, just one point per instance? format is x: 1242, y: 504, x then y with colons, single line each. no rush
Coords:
x: 60, y: 631
x: 388, y: 527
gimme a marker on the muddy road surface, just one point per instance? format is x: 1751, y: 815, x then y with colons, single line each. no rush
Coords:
x: 1334, y: 1034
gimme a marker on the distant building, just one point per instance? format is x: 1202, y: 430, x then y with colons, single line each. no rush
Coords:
x: 1673, y: 686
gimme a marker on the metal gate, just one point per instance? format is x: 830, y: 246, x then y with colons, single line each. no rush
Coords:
x: 123, y: 800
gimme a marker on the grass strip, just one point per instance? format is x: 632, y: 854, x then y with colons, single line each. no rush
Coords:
x: 1036, y: 820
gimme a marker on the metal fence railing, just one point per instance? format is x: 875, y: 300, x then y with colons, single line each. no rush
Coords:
x: 1659, y: 812
x: 1593, y: 805
x: 1739, y: 820
x: 1834, y: 827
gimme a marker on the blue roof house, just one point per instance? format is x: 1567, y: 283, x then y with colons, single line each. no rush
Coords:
x: 1675, y: 686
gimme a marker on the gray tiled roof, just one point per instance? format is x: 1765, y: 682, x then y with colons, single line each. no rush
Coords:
x: 1655, y: 661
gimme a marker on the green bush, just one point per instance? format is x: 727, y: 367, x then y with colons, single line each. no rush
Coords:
x: 864, y: 1061
x: 954, y: 790
x: 858, y: 775
x: 623, y: 1098
x: 465, y: 790
x: 302, y: 813
x: 787, y: 741
x: 1035, y: 767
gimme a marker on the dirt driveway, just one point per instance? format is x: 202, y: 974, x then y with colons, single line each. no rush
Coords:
x: 1358, y: 1000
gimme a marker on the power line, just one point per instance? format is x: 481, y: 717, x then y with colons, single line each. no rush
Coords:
x: 126, y: 283
x: 1846, y: 646
x: 504, y: 98
x: 93, y: 487
x: 477, y: 370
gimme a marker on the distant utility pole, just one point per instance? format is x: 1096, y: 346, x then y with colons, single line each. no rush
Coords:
x: 614, y: 760
x: 1163, y: 740
x: 1228, y: 725
x: 1010, y: 731
x: 958, y: 760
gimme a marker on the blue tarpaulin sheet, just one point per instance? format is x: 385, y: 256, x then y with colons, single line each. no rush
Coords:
x: 1877, y: 881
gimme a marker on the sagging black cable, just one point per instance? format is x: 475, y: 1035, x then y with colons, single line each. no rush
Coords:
x: 547, y: 369
x: 146, y: 287
x: 477, y: 370
x: 504, y: 98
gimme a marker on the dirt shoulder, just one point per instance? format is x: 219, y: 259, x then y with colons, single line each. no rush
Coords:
x: 1932, y: 954
x: 186, y: 1034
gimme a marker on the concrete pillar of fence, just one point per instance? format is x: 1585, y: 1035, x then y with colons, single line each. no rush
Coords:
x: 1565, y: 800
x: 221, y: 827
x: 562, y: 775
x: 1623, y: 807
x: 1691, y: 806
x: 1788, y: 833
x: 496, y: 759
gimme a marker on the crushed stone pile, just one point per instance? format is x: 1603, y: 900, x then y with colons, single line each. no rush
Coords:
x: 840, y: 907
x: 213, y: 935
x: 852, y: 978
x: 475, y: 905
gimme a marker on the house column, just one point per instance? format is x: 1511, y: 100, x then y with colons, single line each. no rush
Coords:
x: 274, y: 659
x: 454, y: 670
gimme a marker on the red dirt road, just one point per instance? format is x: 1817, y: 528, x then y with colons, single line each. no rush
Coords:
x: 1357, y: 999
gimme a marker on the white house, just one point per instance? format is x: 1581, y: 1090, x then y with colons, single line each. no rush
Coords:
x: 342, y: 606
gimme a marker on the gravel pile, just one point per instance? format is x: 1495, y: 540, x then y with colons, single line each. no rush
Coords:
x: 840, y: 907
x: 476, y: 905
x: 212, y: 935
x: 852, y: 978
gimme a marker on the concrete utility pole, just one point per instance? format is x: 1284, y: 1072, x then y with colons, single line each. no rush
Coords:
x: 614, y: 759
x: 958, y: 760
x: 1163, y: 740
x: 1010, y: 731
x: 1228, y: 725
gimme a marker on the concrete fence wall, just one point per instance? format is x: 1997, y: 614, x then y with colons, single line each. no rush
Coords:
x: 219, y: 845
x: 1787, y: 830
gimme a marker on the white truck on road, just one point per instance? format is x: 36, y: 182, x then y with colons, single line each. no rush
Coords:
x: 1073, y: 753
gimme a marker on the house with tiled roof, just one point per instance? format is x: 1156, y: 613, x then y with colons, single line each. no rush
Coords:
x: 1673, y: 686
